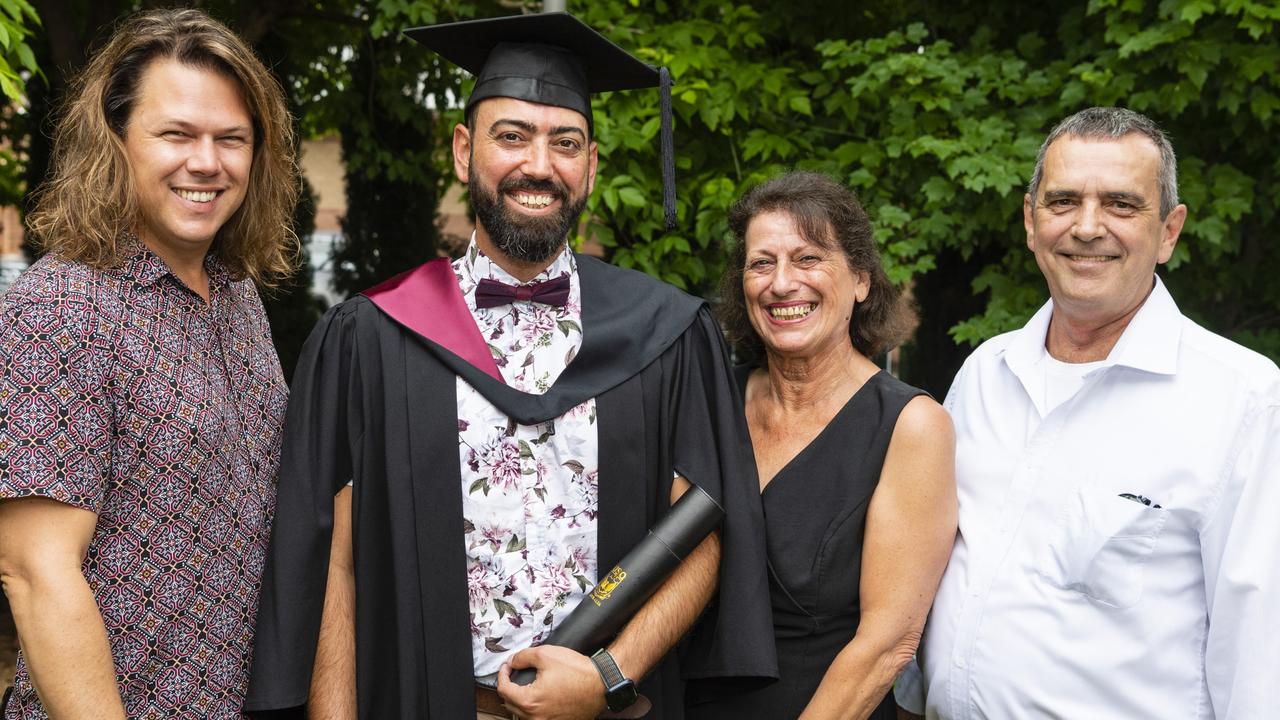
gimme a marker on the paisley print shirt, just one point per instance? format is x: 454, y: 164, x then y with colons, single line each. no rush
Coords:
x: 529, y: 491
x: 124, y: 393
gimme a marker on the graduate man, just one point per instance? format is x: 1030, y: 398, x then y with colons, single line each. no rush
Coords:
x: 471, y: 444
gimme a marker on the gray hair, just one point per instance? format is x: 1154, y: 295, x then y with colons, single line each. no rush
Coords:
x: 1114, y: 123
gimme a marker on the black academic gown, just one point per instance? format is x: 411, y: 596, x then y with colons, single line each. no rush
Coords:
x: 375, y: 401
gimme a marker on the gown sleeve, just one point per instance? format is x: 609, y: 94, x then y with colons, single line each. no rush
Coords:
x: 315, y: 463
x: 732, y: 645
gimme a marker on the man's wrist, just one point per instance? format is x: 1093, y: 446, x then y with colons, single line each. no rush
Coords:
x: 619, y: 691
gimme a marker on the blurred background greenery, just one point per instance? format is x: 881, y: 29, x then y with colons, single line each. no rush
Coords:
x: 931, y: 111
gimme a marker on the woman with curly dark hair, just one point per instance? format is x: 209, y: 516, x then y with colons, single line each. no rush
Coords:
x: 855, y: 467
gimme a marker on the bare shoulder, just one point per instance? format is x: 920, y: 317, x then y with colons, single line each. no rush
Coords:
x: 922, y: 424
x: 922, y: 450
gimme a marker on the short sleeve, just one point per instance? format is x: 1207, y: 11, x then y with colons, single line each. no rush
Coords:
x: 55, y: 409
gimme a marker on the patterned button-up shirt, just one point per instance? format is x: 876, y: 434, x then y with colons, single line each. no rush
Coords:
x: 124, y: 393
x: 529, y: 491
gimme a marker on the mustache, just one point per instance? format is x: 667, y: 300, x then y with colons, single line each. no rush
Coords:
x: 536, y: 185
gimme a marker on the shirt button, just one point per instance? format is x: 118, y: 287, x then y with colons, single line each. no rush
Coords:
x: 961, y: 663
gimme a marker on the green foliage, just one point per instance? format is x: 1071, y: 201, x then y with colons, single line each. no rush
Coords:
x: 734, y: 106
x: 17, y: 19
x: 936, y: 127
x: 908, y: 125
x: 932, y: 113
x: 390, y: 100
x: 910, y: 131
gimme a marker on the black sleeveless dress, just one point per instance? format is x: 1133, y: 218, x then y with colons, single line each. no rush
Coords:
x: 815, y: 511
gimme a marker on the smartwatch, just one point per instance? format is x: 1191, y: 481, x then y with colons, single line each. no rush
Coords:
x: 619, y: 692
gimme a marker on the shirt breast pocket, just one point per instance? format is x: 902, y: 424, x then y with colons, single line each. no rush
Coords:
x: 1101, y: 545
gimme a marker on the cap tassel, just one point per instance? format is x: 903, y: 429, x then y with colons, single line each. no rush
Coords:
x: 668, y: 151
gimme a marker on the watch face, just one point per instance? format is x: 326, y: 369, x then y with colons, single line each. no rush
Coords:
x: 621, y: 696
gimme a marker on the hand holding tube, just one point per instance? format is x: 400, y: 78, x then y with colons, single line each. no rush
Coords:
x: 624, y: 589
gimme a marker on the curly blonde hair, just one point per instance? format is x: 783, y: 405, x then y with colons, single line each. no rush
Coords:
x: 87, y: 201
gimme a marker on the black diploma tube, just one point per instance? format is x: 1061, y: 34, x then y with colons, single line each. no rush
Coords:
x: 620, y: 593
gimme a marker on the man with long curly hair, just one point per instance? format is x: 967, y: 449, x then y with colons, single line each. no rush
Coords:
x: 140, y: 397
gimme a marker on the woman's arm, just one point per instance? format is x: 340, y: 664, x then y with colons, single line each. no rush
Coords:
x: 911, y: 525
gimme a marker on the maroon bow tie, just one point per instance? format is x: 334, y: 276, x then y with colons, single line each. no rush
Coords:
x: 491, y: 293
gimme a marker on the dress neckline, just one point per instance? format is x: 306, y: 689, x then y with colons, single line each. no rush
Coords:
x: 861, y: 391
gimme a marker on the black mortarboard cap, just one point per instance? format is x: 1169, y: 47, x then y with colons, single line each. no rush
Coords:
x: 551, y: 59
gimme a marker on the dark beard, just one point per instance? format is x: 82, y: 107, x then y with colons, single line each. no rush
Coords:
x: 528, y: 239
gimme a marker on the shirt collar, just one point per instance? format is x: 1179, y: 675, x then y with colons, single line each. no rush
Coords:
x: 144, y: 267
x: 477, y: 266
x: 1149, y: 343
x: 141, y: 264
x: 219, y: 274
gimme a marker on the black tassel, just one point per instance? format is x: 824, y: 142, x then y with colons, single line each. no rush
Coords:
x: 668, y: 151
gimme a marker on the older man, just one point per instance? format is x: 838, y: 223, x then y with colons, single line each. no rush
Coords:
x: 140, y: 397
x: 498, y: 431
x: 1118, y: 470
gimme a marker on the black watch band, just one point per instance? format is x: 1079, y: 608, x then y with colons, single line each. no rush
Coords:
x: 619, y: 692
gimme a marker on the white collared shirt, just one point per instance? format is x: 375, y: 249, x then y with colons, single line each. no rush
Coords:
x: 529, y: 492
x: 1119, y: 554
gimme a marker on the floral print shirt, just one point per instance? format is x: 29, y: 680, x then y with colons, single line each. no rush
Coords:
x: 124, y: 393
x: 529, y: 491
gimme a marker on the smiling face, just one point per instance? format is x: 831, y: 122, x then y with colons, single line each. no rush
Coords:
x: 529, y: 169
x: 800, y: 296
x: 1096, y: 229
x: 189, y: 143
